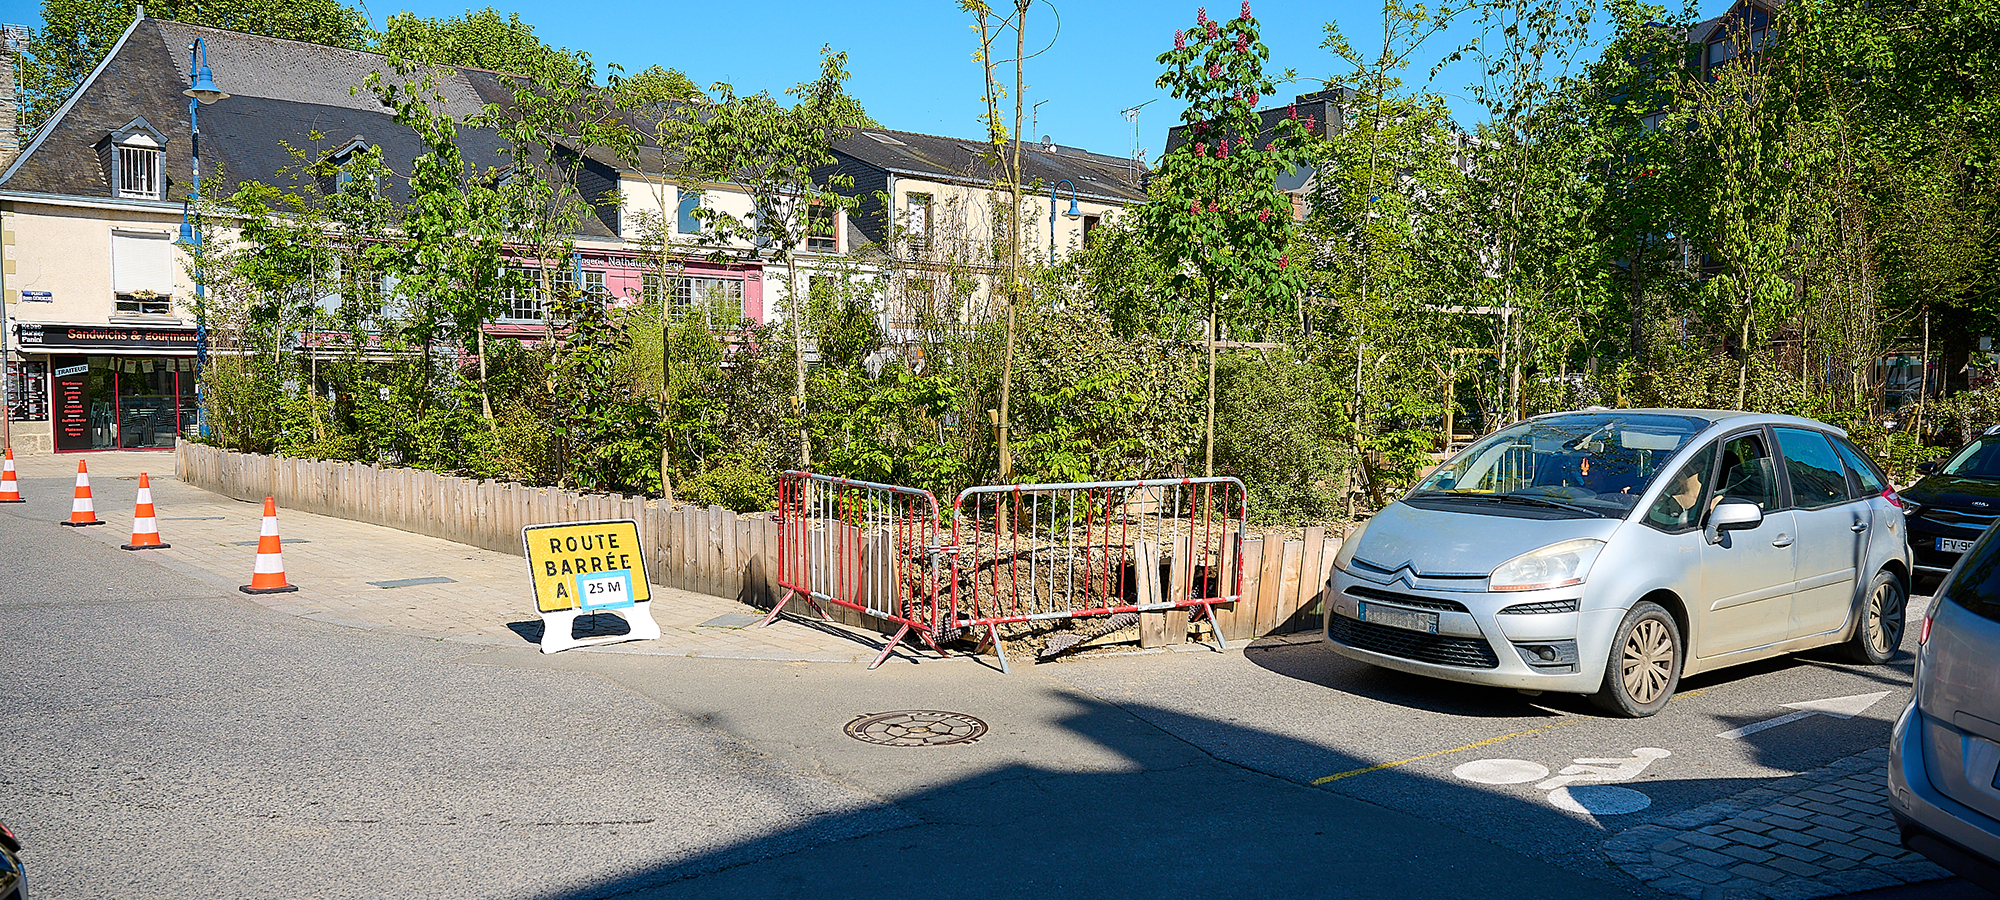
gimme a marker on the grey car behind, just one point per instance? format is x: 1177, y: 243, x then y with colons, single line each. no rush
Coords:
x: 1944, y: 755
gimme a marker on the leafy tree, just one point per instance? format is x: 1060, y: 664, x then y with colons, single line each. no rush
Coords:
x: 776, y: 154
x: 76, y: 34
x: 657, y: 85
x: 480, y: 39
x: 1215, y: 217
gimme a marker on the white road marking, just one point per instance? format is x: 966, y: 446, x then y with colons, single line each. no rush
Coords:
x: 1837, y: 707
x: 1501, y: 771
x: 1599, y: 800
x: 1612, y: 769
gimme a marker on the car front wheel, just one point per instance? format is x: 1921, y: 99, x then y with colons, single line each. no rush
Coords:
x: 1644, y: 666
x: 1880, y: 632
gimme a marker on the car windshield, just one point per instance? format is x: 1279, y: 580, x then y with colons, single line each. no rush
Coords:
x: 1979, y: 459
x: 1595, y: 463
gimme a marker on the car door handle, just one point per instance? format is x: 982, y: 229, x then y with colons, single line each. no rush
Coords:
x: 1783, y: 540
x: 1859, y: 527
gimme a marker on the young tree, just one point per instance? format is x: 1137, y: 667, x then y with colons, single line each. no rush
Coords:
x: 1215, y: 216
x: 774, y: 153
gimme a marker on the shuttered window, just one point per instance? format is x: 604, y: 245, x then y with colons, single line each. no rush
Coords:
x: 142, y: 271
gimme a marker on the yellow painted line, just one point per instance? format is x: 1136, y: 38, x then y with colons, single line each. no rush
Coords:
x: 1472, y: 746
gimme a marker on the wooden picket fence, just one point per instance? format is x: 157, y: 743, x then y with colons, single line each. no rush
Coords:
x: 705, y: 550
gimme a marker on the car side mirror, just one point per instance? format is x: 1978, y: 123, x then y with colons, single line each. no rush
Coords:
x: 1733, y: 515
x: 1927, y: 468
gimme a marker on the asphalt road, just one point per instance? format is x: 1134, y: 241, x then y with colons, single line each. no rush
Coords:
x: 171, y: 741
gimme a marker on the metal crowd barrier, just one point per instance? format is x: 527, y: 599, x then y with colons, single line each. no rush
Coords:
x: 1033, y: 552
x: 869, y: 547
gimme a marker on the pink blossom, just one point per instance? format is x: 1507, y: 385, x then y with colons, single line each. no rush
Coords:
x: 1200, y: 149
x: 1309, y: 122
x: 1201, y: 128
x: 1242, y: 42
x: 1270, y: 147
x: 1180, y: 40
x: 1284, y: 259
x: 1263, y: 215
x: 1253, y: 98
x: 1222, y: 150
x: 1246, y: 10
x: 1211, y: 206
x: 1215, y: 70
x: 1201, y: 14
x: 1195, y: 208
x: 1292, y: 112
x: 1213, y: 29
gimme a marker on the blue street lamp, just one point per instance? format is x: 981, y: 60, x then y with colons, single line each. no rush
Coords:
x: 201, y: 91
x: 1073, y: 213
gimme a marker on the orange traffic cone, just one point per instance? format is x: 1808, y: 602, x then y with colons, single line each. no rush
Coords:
x: 268, y: 575
x: 10, y: 491
x: 81, y: 513
x: 145, y: 531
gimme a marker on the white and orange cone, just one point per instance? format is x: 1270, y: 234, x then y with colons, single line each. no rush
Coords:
x: 268, y: 575
x: 145, y: 529
x: 81, y: 513
x: 10, y: 490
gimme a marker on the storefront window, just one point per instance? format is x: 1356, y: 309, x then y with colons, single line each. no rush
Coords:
x: 28, y: 390
x: 121, y: 402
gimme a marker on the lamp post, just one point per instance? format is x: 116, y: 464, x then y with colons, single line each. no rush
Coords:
x: 201, y: 91
x: 1073, y: 213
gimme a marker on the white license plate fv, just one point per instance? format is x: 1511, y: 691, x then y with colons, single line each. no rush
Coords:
x: 1426, y: 622
x: 1953, y: 545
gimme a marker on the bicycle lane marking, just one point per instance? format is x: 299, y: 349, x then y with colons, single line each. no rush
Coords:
x: 1566, y: 720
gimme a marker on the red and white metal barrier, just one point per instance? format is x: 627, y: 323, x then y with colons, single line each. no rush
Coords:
x: 1032, y: 552
x: 869, y: 547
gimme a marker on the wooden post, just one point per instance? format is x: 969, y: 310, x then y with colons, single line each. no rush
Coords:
x: 1146, y: 572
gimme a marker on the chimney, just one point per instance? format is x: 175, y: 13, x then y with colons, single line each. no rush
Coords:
x: 13, y: 42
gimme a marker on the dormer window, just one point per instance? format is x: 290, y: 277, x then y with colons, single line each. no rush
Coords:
x: 135, y: 162
x: 342, y: 159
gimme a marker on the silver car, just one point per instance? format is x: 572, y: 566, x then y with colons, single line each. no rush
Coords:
x: 1944, y: 754
x: 1611, y: 552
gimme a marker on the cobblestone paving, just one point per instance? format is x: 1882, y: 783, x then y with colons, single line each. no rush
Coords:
x: 1814, y: 834
x: 332, y: 561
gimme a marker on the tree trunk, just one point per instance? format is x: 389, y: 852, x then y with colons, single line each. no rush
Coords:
x: 1743, y: 371
x: 1208, y: 442
x: 485, y: 399
x: 798, y: 361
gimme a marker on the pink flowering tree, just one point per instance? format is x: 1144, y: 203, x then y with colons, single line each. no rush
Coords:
x: 1214, y: 214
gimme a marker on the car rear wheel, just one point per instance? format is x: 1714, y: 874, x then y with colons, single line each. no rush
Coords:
x: 1880, y: 633
x: 1644, y: 666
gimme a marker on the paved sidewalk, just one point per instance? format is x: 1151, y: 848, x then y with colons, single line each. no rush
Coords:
x: 476, y: 596
x: 1814, y: 834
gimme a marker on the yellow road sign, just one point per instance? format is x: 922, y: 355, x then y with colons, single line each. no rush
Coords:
x: 586, y: 565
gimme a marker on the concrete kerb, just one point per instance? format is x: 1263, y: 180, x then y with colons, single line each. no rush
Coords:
x: 328, y: 569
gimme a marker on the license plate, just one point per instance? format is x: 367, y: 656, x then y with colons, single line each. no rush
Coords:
x: 1400, y: 618
x: 1953, y: 545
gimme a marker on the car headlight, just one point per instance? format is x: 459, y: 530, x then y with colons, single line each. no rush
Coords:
x: 1552, y: 566
x: 1345, y: 555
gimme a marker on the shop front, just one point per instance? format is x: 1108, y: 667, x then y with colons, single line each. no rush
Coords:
x: 113, y: 387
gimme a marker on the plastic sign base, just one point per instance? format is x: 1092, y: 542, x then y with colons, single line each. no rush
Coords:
x: 558, y: 627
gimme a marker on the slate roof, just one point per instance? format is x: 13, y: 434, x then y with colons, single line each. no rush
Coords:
x: 1323, y: 106
x: 962, y: 160
x: 282, y: 93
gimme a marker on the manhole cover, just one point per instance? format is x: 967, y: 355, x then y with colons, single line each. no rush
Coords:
x: 916, y: 728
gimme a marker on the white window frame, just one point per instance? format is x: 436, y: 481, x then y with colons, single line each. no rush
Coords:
x: 141, y: 169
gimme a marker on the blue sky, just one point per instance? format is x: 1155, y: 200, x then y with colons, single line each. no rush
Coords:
x: 912, y: 61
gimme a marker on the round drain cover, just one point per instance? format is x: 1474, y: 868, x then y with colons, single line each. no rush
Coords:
x: 916, y: 728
